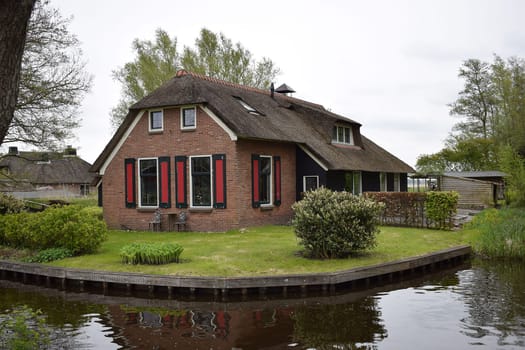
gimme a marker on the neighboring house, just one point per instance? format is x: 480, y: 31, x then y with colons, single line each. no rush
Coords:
x: 44, y: 174
x: 477, y: 189
x: 232, y: 156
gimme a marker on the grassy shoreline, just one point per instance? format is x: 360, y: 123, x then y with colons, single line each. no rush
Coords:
x: 259, y: 251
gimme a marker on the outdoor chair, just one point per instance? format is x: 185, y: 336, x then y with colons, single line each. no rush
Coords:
x: 154, y: 224
x: 181, y: 221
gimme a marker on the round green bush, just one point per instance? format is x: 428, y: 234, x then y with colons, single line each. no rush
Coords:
x: 333, y: 224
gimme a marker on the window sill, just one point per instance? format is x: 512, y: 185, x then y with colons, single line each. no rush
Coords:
x: 155, y: 132
x: 188, y: 129
x: 147, y: 210
x: 266, y: 207
x: 200, y: 210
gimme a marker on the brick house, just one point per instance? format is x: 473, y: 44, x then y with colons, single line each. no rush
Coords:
x: 232, y: 156
x: 39, y: 174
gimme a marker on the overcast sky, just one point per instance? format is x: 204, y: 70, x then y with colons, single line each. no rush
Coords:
x: 390, y: 65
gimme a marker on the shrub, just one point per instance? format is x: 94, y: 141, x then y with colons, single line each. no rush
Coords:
x: 334, y: 224
x: 51, y: 254
x: 440, y: 207
x: 9, y: 204
x: 502, y: 233
x: 78, y: 229
x: 151, y: 253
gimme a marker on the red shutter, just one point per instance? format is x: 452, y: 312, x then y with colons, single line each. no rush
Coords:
x: 255, y: 181
x: 219, y: 180
x: 277, y: 180
x: 181, y: 198
x: 164, y: 182
x: 130, y: 188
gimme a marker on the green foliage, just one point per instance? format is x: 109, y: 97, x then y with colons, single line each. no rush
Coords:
x: 514, y: 165
x: 78, y: 229
x: 441, y: 206
x: 502, y: 233
x: 9, y: 204
x: 151, y: 253
x: 215, y: 55
x: 51, y: 254
x: 333, y: 224
x: 491, y: 106
x: 23, y: 329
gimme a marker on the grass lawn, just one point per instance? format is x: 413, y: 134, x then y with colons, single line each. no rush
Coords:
x: 266, y: 250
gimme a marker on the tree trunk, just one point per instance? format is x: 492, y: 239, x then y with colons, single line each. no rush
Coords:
x: 14, y: 17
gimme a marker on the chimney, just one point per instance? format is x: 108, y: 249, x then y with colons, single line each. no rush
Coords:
x: 70, y: 151
x: 285, y: 90
x: 272, y: 89
x: 13, y: 151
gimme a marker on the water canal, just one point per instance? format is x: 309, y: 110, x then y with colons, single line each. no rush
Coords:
x: 480, y: 306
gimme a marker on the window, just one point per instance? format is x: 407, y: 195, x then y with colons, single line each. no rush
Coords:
x: 397, y: 183
x: 201, y: 181
x: 148, y: 182
x: 310, y: 183
x: 266, y: 180
x: 382, y: 182
x: 156, y: 121
x: 84, y: 189
x: 353, y: 182
x: 247, y: 107
x: 188, y: 118
x: 342, y: 134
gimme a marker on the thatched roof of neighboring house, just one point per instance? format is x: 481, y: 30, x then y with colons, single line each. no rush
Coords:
x: 276, y: 118
x: 45, y: 168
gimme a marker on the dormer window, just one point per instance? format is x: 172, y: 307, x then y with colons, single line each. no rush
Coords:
x: 156, y: 121
x: 342, y: 135
x: 246, y: 106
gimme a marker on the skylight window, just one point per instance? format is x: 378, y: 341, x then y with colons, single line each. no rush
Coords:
x: 246, y: 106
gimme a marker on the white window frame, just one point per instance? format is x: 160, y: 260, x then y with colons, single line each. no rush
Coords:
x: 192, y: 127
x: 150, y: 115
x: 211, y: 182
x: 343, y: 142
x: 383, y: 182
x: 140, y: 183
x: 397, y: 182
x: 270, y: 203
x: 308, y: 176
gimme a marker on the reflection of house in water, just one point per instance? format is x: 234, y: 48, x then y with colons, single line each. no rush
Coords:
x: 202, y: 329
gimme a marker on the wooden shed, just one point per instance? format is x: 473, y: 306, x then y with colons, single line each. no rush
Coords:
x: 473, y: 194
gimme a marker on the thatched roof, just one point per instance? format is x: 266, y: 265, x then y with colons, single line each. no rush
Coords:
x: 47, y: 168
x: 278, y: 118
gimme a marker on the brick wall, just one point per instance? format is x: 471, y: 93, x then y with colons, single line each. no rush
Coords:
x: 207, y: 139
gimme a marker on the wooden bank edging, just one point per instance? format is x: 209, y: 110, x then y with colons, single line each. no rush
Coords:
x: 224, y: 284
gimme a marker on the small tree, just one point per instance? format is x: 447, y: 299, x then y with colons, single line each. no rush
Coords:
x: 333, y: 224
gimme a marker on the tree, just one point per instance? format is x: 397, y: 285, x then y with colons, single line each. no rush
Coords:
x: 492, y: 135
x: 155, y: 63
x: 215, y: 55
x: 471, y: 144
x: 476, y: 102
x: 14, y: 17
x: 52, y: 82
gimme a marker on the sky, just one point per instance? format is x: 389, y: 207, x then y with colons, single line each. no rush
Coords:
x: 390, y: 65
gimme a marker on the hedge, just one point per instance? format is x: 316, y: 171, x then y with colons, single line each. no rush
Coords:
x: 77, y: 229
x: 417, y: 209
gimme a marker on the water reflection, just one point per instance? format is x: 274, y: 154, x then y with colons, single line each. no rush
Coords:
x: 484, y: 305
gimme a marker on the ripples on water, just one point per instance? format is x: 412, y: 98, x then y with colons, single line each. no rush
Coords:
x: 478, y: 308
